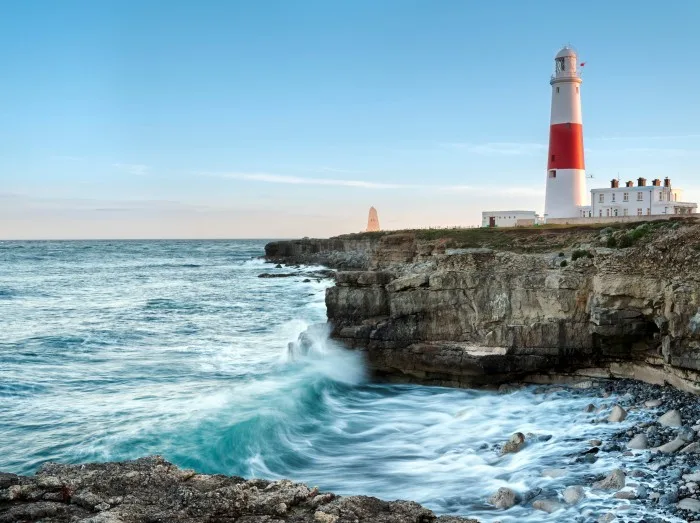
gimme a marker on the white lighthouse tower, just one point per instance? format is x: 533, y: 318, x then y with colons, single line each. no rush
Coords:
x: 566, y: 175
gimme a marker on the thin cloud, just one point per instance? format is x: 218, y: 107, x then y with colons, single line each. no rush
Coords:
x: 296, y: 180
x: 132, y: 168
x: 502, y: 191
x: 498, y: 148
x: 299, y: 180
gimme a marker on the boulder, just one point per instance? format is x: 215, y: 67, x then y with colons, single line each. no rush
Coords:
x: 547, y: 505
x: 617, y: 415
x: 693, y: 505
x: 671, y: 419
x: 572, y: 495
x: 672, y: 446
x: 639, y: 442
x: 693, y: 448
x: 514, y: 444
x: 653, y: 403
x: 695, y: 476
x: 613, y: 481
x: 504, y: 498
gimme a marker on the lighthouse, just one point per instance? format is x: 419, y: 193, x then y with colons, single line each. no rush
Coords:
x: 566, y: 175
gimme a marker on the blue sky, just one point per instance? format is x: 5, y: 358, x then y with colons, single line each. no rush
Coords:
x: 275, y: 119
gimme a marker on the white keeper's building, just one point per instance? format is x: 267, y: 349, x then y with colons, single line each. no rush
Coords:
x: 637, y: 200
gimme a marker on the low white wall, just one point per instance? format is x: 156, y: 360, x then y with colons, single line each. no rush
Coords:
x: 617, y: 219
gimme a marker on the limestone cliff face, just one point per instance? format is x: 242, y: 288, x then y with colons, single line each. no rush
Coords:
x: 426, y: 311
x: 482, y: 316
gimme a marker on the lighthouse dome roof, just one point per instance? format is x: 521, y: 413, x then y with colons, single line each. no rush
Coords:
x: 566, y: 51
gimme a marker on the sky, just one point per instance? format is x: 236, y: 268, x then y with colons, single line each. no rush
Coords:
x: 276, y: 119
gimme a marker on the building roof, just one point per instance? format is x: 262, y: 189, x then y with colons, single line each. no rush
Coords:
x: 566, y: 51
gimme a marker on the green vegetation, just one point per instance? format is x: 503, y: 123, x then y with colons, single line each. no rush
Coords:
x: 542, y: 238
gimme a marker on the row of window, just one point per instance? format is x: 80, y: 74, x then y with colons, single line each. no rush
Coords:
x: 640, y: 197
x: 615, y: 212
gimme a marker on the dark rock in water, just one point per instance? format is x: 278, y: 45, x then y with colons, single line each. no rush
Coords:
x: 531, y: 494
x: 275, y: 275
x: 504, y: 498
x: 278, y: 266
x: 613, y: 481
x: 514, y: 444
x: 307, y: 281
x: 151, y: 489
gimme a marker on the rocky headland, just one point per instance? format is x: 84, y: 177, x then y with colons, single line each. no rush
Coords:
x: 583, y: 307
x: 479, y: 307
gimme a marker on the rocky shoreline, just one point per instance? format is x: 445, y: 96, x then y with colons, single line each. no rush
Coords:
x: 485, y: 307
x: 560, y: 306
x: 151, y: 489
x: 652, y: 474
x: 658, y: 458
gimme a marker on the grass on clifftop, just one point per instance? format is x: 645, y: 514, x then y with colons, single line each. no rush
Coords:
x: 539, y: 238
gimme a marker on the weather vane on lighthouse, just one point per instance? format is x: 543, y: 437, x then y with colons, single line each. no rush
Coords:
x: 566, y: 175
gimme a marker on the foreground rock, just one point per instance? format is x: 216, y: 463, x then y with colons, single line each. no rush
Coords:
x: 617, y: 415
x: 514, y: 444
x: 671, y: 419
x: 639, y: 442
x: 504, y: 498
x: 151, y: 489
x: 613, y: 481
x: 572, y: 495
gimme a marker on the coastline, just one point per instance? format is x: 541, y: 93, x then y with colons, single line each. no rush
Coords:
x: 482, y: 307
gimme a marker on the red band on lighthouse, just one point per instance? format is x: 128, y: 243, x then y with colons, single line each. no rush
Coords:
x: 566, y: 146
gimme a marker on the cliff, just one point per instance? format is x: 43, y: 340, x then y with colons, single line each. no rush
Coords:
x: 534, y: 305
x: 151, y: 489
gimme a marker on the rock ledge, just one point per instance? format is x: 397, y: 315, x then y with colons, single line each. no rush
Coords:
x: 151, y: 489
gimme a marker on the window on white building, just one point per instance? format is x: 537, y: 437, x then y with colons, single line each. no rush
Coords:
x: 615, y: 212
x: 639, y: 212
x: 613, y: 197
x: 626, y: 197
x: 601, y: 198
x: 624, y: 212
x: 600, y: 212
x: 640, y: 196
x: 648, y: 211
x: 661, y: 196
x: 607, y: 212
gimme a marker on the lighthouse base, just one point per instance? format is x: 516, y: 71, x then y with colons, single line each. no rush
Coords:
x: 565, y: 194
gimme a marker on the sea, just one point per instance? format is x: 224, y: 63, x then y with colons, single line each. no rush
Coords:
x: 114, y: 350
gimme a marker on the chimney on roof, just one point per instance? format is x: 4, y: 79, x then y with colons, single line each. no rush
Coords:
x: 614, y: 183
x: 656, y: 182
x: 629, y: 184
x: 667, y: 182
x: 642, y: 182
